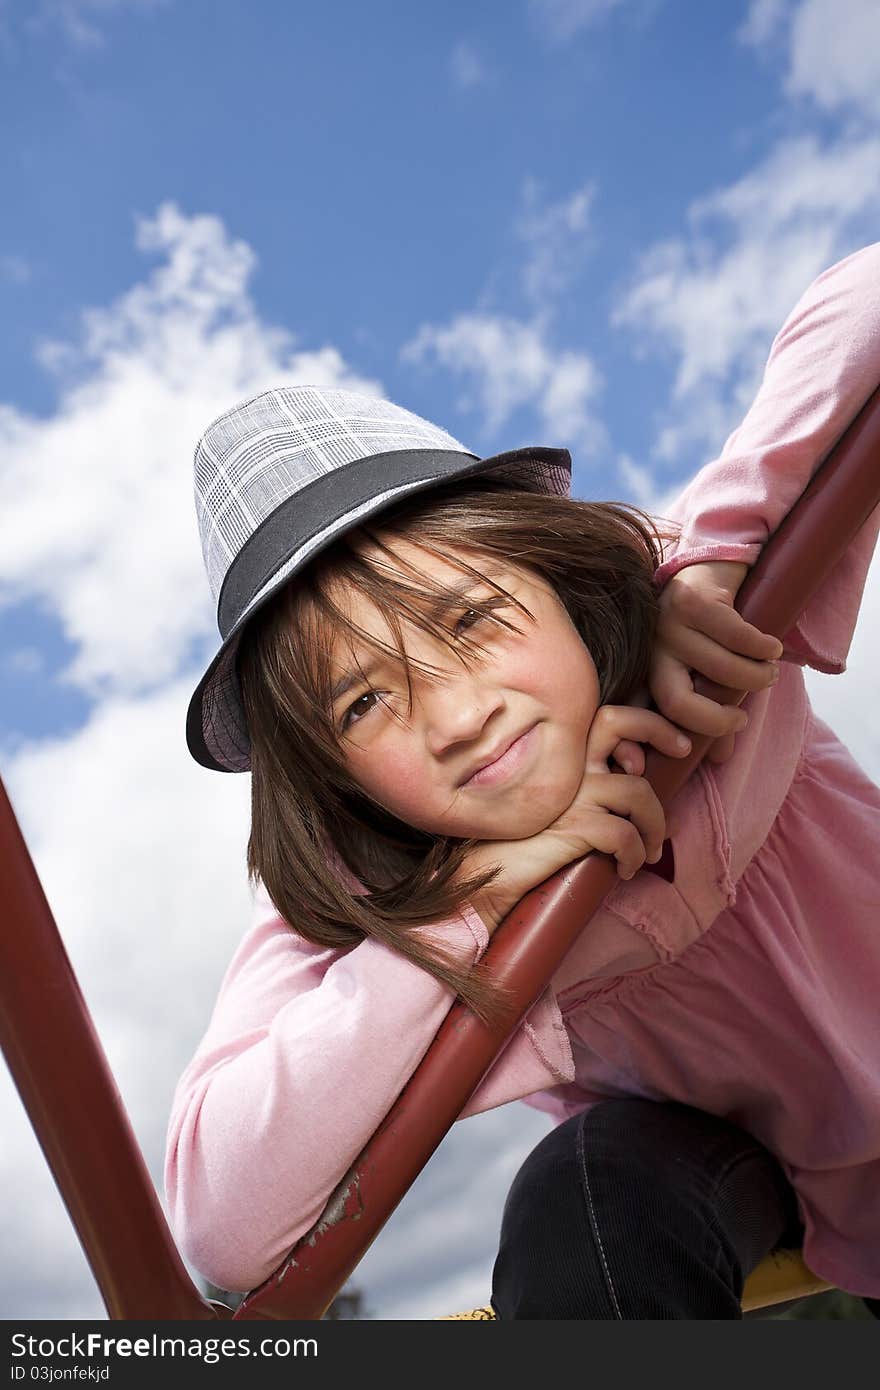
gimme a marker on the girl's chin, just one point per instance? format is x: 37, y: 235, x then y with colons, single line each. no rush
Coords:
x: 517, y: 815
x: 505, y: 827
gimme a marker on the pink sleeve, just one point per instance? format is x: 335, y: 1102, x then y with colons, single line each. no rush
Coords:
x: 306, y: 1051
x: 823, y: 366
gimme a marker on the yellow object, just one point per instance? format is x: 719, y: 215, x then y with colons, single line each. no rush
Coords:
x: 781, y: 1276
x: 475, y: 1315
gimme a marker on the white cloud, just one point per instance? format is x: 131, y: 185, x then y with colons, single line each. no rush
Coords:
x: 710, y: 301
x: 466, y: 66
x: 512, y: 365
x: 99, y: 519
x: 556, y: 236
x: 835, y: 54
x: 642, y: 487
x: 831, y: 47
x: 713, y: 301
x: 510, y: 362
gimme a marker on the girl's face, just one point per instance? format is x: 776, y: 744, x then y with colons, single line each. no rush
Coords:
x: 536, y: 689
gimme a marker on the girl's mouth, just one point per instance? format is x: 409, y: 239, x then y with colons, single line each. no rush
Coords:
x: 508, y: 763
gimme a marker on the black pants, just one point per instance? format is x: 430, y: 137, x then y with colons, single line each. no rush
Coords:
x: 635, y: 1209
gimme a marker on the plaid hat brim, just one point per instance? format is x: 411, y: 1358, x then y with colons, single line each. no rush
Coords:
x: 216, y: 731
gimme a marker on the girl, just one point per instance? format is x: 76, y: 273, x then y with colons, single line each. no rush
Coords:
x: 425, y: 661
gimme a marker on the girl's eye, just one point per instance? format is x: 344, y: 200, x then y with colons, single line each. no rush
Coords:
x: 484, y: 613
x: 350, y: 716
x: 463, y: 625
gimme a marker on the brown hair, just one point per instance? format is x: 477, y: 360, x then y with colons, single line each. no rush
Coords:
x: 600, y: 559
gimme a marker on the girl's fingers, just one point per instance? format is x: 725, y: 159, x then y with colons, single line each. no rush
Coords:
x: 716, y: 662
x: 673, y: 689
x: 613, y: 723
x: 618, y: 838
x: 630, y: 756
x: 630, y: 840
x: 723, y: 624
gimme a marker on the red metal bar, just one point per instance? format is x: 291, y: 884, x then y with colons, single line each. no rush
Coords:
x: 65, y: 1082
x: 531, y: 943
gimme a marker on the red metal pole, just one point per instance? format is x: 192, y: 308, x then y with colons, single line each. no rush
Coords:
x: 67, y: 1088
x: 529, y: 946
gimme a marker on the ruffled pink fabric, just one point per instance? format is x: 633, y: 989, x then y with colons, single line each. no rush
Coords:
x: 771, y: 1017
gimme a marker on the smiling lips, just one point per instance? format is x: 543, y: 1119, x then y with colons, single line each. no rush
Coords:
x: 504, y: 765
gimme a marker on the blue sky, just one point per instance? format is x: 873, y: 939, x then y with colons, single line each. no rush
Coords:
x: 572, y: 222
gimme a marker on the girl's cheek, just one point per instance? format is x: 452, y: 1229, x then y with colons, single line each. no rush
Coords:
x: 403, y: 775
x: 558, y: 668
x: 394, y: 779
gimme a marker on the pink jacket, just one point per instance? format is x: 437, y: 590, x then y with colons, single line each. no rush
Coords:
x: 308, y: 1048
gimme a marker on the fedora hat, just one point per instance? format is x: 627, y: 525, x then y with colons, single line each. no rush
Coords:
x: 282, y: 475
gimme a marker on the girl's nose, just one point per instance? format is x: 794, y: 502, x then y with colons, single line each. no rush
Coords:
x: 456, y: 710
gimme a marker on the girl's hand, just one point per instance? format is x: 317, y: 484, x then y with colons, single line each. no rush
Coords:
x: 620, y: 816
x: 701, y: 632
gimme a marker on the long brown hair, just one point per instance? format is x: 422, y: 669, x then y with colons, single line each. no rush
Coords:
x: 599, y: 557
